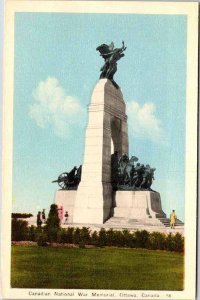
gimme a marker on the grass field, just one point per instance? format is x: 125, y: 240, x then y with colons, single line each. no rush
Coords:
x: 96, y: 268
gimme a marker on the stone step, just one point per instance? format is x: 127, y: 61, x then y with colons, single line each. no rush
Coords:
x: 122, y: 221
x: 166, y: 222
x: 177, y: 220
x: 132, y: 226
x: 117, y: 222
x: 118, y: 219
x: 133, y: 222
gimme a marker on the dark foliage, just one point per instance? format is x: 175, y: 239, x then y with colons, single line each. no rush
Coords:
x: 157, y: 240
x: 102, y: 240
x: 31, y: 236
x: 76, y: 236
x: 41, y: 237
x: 53, y: 219
x: 21, y: 215
x: 19, y: 230
x: 142, y: 239
x: 53, y: 224
x: 114, y: 238
x: 83, y: 236
x: 69, y: 235
x: 129, y: 239
x: 94, y: 238
x: 175, y: 242
x: 179, y: 242
x: 61, y: 236
x: 65, y: 235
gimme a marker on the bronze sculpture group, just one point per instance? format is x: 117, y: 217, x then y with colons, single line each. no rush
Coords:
x: 126, y: 175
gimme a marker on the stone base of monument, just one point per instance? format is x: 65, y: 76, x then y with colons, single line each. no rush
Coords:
x: 140, y: 210
x: 66, y: 199
x: 137, y: 205
x: 126, y: 204
x: 132, y: 210
x: 92, y: 214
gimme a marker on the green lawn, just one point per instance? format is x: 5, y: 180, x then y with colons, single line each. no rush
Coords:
x: 96, y: 268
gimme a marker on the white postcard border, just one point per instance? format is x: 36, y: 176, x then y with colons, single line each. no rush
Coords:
x: 189, y: 9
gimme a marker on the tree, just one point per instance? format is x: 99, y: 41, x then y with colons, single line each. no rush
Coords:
x: 19, y: 230
x: 53, y: 223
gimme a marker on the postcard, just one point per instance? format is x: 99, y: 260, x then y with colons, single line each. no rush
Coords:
x: 100, y: 106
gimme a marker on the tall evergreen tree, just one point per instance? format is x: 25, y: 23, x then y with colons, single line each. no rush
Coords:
x: 53, y: 223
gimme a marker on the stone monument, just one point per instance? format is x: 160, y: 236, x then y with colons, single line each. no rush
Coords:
x: 106, y: 130
x: 109, y: 185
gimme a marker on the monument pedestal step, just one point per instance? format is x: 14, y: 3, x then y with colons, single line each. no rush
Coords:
x: 142, y: 223
x: 129, y: 223
x: 166, y: 222
x: 151, y: 222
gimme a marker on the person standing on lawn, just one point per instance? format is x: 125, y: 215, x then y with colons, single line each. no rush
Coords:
x: 39, y: 219
x: 173, y: 218
x: 43, y: 216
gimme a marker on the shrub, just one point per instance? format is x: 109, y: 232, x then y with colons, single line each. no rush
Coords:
x: 129, y: 239
x: 142, y: 239
x: 38, y: 231
x: 52, y: 234
x: 119, y: 239
x: 82, y: 236
x: 21, y: 215
x: 178, y: 242
x: 170, y: 243
x: 110, y: 238
x: 77, y: 236
x: 114, y: 238
x: 65, y: 235
x: 85, y: 235
x: 69, y: 235
x: 61, y: 235
x: 157, y: 240
x: 42, y: 239
x: 102, y: 241
x: 31, y: 233
x: 19, y: 230
x: 94, y: 240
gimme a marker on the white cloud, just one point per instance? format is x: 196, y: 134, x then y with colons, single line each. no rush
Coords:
x: 144, y: 123
x: 53, y: 107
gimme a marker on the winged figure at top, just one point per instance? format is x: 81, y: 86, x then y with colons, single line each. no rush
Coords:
x: 111, y: 55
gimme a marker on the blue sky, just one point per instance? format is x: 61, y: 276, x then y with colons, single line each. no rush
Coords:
x: 56, y: 69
